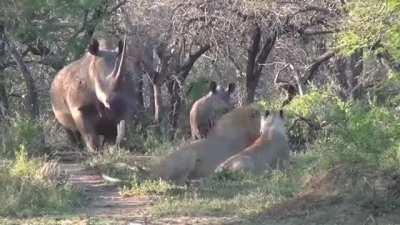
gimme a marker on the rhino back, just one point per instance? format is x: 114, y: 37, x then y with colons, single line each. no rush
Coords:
x: 66, y: 80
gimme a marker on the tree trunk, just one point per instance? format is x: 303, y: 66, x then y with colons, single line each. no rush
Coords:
x: 157, y: 102
x: 175, y: 88
x: 32, y: 103
x: 251, y: 85
x: 3, y: 100
x: 176, y: 103
x: 252, y: 51
x: 140, y: 93
x: 257, y: 54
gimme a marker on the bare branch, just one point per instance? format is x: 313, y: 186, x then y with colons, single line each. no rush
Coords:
x: 187, y: 66
x: 32, y: 103
x: 313, y: 67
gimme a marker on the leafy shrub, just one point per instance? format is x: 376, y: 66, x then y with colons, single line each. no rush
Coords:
x: 197, y: 89
x: 320, y: 106
x: 345, y: 132
x: 308, y: 114
x: 388, y: 93
x: 24, y: 193
x: 23, y: 167
x: 367, y: 136
x: 21, y: 131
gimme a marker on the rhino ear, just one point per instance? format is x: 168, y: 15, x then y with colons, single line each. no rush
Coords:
x: 120, y: 47
x: 94, y: 47
x: 267, y: 112
x: 213, y: 87
x: 231, y: 88
x: 281, y: 113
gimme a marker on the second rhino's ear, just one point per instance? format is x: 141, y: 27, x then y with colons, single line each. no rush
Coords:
x: 281, y: 113
x: 94, y: 47
x: 267, y: 112
x: 231, y: 88
x: 213, y: 87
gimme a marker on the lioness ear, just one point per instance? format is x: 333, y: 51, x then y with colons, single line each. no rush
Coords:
x: 213, y: 87
x: 231, y: 88
x: 267, y: 112
x: 94, y: 47
x: 120, y: 47
x: 281, y: 113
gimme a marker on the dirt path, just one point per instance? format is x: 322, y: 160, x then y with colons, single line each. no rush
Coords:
x: 106, y: 204
x: 104, y: 200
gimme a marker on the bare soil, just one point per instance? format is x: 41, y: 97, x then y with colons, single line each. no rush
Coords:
x: 321, y: 204
x: 104, y: 203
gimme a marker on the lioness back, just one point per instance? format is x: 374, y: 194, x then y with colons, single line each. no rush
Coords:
x: 234, y: 131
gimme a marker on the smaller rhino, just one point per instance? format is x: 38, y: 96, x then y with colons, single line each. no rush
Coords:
x: 208, y: 109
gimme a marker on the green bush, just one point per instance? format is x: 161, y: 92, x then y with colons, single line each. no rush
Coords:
x: 21, y: 131
x: 320, y: 106
x: 346, y: 132
x: 24, y: 193
x: 367, y: 136
x: 307, y: 116
x: 23, y: 166
x: 388, y: 92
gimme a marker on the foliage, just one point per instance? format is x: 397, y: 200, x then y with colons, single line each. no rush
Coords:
x: 349, y: 132
x: 111, y: 155
x: 23, y: 167
x: 150, y: 187
x: 197, y: 89
x: 308, y: 114
x: 32, y: 20
x: 365, y: 136
x: 320, y: 106
x: 387, y: 93
x: 370, y: 24
x: 21, y: 131
x: 23, y: 193
x: 239, y: 194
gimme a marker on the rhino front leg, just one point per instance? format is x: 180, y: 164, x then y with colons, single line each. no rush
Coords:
x: 121, y: 126
x: 86, y: 127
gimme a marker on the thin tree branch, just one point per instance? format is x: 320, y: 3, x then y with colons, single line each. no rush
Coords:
x: 312, y: 69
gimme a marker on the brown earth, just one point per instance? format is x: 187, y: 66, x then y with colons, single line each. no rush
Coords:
x: 104, y: 203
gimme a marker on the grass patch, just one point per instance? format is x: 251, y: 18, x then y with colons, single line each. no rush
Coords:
x: 237, y: 194
x: 21, y: 131
x: 62, y: 220
x: 24, y: 193
x: 151, y: 187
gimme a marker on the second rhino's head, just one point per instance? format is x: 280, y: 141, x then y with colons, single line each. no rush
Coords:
x: 221, y: 97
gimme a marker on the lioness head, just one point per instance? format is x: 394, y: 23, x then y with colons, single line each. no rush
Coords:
x: 274, y: 120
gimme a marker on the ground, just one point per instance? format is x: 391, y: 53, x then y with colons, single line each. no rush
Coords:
x: 320, y: 205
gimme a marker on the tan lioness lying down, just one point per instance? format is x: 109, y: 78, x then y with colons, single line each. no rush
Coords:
x: 269, y: 150
x: 233, y: 132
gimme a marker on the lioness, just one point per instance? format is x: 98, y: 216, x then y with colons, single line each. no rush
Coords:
x: 233, y: 132
x: 269, y: 149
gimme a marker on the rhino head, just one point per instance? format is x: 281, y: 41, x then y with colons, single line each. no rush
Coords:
x: 107, y: 69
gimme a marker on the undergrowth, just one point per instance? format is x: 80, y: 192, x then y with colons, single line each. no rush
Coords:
x: 25, y: 193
